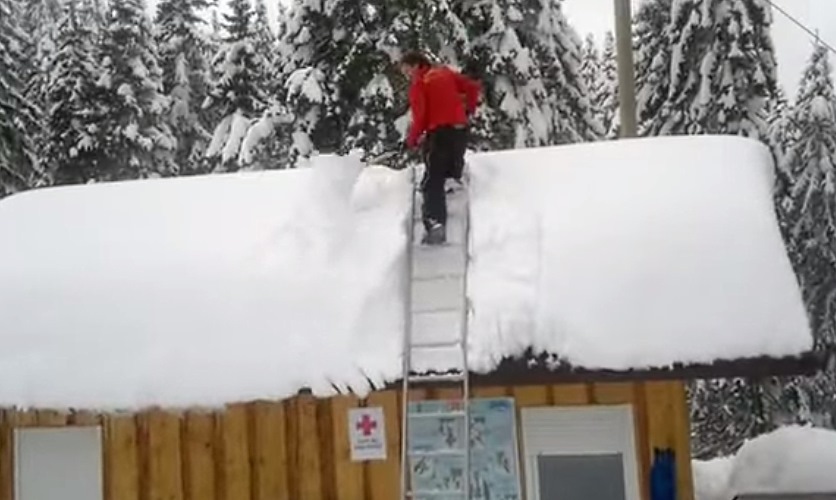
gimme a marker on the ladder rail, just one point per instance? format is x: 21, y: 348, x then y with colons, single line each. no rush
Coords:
x: 407, y: 341
x: 464, y: 341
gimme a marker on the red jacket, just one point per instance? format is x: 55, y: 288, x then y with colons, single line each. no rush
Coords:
x: 440, y: 96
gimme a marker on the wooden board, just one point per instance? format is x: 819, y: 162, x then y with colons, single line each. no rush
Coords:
x: 234, y: 460
x: 570, y: 394
x: 6, y: 457
x: 198, y: 445
x: 122, y: 468
x: 348, y: 475
x: 164, y: 481
x: 385, y: 477
x: 270, y: 475
x: 306, y: 471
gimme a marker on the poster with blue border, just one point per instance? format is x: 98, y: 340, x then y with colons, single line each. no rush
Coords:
x: 494, y: 467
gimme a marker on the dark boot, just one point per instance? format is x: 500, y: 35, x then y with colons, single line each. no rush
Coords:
x: 436, y: 234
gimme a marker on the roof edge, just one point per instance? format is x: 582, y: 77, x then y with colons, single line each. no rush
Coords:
x: 541, y: 370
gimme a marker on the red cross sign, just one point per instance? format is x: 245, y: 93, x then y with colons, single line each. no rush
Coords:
x: 366, y: 425
x: 367, y: 433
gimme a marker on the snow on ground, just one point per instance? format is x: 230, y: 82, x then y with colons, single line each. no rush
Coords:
x: 711, y: 478
x: 206, y: 290
x: 791, y: 459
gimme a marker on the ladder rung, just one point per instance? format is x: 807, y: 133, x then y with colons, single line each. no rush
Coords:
x: 438, y: 453
x: 437, y: 277
x: 438, y: 414
x: 437, y: 344
x: 433, y: 310
x: 437, y: 377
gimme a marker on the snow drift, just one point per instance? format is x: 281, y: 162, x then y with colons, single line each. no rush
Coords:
x: 791, y: 459
x: 212, y: 289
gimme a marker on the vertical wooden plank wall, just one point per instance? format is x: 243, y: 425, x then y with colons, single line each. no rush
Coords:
x: 299, y: 448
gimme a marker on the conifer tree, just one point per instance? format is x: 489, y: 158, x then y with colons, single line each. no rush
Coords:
x: 590, y: 64
x: 184, y: 68
x: 811, y: 163
x: 133, y: 133
x: 722, y: 68
x: 433, y: 26
x: 802, y: 138
x: 20, y: 118
x: 265, y: 45
x: 557, y: 48
x: 516, y: 111
x: 724, y: 414
x: 653, y: 62
x: 338, y: 72
x: 236, y: 94
x: 72, y: 155
x: 607, y: 98
x: 38, y: 20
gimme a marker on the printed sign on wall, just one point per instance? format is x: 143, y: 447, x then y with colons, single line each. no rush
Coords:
x: 494, y: 469
x: 366, y: 427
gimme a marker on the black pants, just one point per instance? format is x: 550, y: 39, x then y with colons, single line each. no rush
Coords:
x: 444, y: 151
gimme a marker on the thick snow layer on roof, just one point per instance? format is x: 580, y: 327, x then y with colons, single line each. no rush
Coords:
x: 201, y: 290
x: 206, y: 290
x: 628, y: 254
x: 791, y: 459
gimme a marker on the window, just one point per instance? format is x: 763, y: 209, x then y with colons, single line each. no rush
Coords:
x: 577, y: 453
x: 63, y: 463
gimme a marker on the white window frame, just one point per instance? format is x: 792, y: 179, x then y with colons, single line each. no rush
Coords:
x: 579, y: 430
x: 86, y: 440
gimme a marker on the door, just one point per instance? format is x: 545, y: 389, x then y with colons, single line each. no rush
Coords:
x: 580, y: 453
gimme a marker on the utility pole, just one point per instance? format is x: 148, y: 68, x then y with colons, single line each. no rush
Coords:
x: 626, y: 73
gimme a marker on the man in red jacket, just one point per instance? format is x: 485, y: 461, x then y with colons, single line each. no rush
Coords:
x: 441, y: 100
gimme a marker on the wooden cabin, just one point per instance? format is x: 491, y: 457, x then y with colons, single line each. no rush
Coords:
x: 210, y: 338
x: 300, y: 448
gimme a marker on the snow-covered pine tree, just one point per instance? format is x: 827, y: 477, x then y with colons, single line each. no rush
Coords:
x: 804, y: 140
x: 653, y: 62
x: 779, y: 135
x: 371, y: 91
x: 590, y: 63
x: 811, y: 163
x: 267, y: 141
x: 39, y: 20
x: 307, y: 56
x: 591, y: 71
x: 19, y: 116
x: 722, y: 67
x: 724, y: 414
x: 133, y: 134
x: 607, y: 99
x: 433, y: 26
x: 515, y: 110
x: 238, y: 22
x: 72, y: 155
x: 366, y: 77
x: 265, y: 44
x: 557, y: 51
x: 237, y: 93
x: 184, y: 67
x: 336, y: 76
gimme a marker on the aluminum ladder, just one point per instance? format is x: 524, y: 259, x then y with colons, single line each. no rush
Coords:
x: 435, y: 333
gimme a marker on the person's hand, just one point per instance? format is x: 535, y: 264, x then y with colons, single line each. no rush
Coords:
x: 414, y: 143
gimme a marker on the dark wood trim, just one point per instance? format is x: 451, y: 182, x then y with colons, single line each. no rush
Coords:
x: 541, y: 370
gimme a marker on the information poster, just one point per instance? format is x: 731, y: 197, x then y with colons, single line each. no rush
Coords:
x: 439, y: 442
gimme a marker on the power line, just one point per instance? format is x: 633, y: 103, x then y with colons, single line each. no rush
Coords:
x: 802, y: 26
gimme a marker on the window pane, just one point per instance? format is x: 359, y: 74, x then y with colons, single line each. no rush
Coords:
x: 581, y: 477
x: 59, y: 464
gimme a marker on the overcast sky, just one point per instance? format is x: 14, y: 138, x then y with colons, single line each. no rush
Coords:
x: 793, y: 45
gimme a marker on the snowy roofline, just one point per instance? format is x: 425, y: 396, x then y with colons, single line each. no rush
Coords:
x: 272, y: 275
